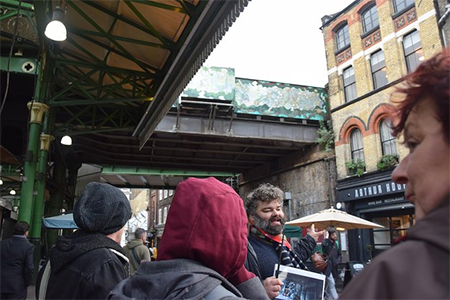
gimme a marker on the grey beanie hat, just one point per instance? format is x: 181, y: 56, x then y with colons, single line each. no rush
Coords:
x: 101, y: 208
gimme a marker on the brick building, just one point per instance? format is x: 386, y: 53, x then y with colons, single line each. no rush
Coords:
x: 369, y: 46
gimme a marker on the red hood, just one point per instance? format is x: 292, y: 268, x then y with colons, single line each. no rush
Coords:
x: 207, y: 223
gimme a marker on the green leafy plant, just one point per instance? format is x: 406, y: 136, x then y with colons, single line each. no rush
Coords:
x: 326, y: 135
x: 356, y: 168
x: 387, y: 161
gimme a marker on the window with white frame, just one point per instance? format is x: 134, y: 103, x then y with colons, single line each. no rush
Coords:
x: 378, y: 67
x: 160, y: 195
x: 165, y: 214
x: 401, y: 5
x: 412, y: 47
x: 369, y: 19
x: 160, y: 216
x: 356, y: 145
x: 388, y: 142
x: 170, y: 193
x: 166, y: 194
x: 342, y: 37
x: 349, y: 84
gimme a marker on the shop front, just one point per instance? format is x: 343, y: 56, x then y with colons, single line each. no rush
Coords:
x: 375, y: 197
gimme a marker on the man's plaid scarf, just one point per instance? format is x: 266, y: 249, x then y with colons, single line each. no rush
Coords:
x: 288, y: 256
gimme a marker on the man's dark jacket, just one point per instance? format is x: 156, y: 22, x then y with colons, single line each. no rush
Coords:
x: 333, y: 254
x: 16, y: 264
x: 85, y: 266
x: 254, y: 260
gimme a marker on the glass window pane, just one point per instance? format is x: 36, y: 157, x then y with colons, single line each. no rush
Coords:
x: 342, y: 38
x: 377, y: 60
x: 400, y: 5
x: 356, y: 145
x: 412, y: 47
x: 411, y: 42
x: 370, y: 19
x: 388, y: 142
x: 413, y: 61
x: 380, y: 78
x: 349, y: 84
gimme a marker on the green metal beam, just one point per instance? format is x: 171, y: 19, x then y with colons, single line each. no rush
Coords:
x: 19, y: 65
x: 169, y: 44
x: 117, y: 170
x: 100, y: 66
x: 75, y: 102
x: 15, y: 4
x: 161, y: 5
x: 62, y: 131
x: 82, y: 32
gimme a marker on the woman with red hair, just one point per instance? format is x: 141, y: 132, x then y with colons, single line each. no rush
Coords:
x: 418, y: 267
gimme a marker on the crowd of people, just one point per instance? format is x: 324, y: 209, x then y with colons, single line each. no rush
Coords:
x: 216, y: 245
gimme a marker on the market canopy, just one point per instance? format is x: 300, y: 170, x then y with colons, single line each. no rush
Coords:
x: 60, y: 222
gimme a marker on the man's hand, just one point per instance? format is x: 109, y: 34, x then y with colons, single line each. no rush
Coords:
x: 272, y: 286
x: 315, y: 234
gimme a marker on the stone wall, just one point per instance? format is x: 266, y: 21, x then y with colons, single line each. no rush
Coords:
x: 308, y: 175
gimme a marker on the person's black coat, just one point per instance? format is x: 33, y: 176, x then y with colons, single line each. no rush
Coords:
x: 333, y: 254
x: 84, y: 266
x: 17, y: 264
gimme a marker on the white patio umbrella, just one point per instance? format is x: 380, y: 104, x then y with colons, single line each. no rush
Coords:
x: 333, y: 217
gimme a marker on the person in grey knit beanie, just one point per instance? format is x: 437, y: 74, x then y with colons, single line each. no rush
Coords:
x: 88, y: 263
x: 101, y: 208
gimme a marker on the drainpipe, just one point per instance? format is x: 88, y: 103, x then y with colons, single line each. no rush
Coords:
x: 442, y: 20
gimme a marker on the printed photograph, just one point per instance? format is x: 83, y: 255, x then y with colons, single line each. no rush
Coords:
x: 300, y: 284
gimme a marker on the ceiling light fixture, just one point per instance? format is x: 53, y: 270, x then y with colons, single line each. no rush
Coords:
x: 66, y: 140
x: 12, y: 192
x: 56, y: 30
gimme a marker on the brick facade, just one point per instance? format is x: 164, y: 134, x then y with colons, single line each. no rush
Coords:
x: 370, y: 106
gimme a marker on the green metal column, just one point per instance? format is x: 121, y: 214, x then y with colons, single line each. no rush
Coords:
x: 40, y: 186
x: 37, y: 111
x: 36, y: 224
x: 40, y: 182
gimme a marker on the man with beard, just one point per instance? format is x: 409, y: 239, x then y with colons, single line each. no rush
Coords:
x: 266, y: 222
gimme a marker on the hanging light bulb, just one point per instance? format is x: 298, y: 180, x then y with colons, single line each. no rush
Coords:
x: 56, y: 30
x: 12, y: 192
x: 1, y: 182
x: 66, y: 140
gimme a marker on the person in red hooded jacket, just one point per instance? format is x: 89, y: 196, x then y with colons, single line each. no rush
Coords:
x: 202, y: 251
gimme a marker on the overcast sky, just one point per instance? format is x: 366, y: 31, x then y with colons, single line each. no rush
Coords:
x: 278, y: 40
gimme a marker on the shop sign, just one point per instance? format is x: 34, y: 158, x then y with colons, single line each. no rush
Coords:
x: 379, y: 202
x: 371, y: 190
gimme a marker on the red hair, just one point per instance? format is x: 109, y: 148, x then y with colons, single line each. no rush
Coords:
x: 431, y: 79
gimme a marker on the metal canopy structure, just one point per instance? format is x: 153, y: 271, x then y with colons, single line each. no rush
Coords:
x: 113, y: 83
x: 124, y: 62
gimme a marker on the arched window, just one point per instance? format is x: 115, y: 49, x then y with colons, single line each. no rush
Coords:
x: 342, y: 37
x: 369, y: 19
x: 388, y: 143
x: 356, y: 145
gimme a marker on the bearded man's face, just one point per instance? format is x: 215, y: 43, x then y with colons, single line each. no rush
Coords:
x: 269, y: 217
